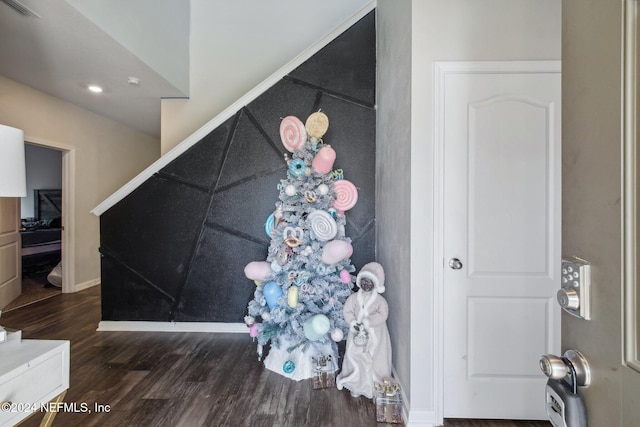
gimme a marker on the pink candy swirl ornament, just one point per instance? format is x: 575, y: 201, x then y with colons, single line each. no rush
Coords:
x: 346, y: 195
x: 292, y: 133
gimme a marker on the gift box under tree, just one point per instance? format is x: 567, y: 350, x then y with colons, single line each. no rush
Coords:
x: 324, y: 372
x: 388, y: 402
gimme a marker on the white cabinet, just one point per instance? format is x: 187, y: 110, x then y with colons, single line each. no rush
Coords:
x: 32, y: 373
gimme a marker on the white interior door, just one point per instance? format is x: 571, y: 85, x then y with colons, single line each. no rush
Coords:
x: 10, y: 250
x: 502, y: 223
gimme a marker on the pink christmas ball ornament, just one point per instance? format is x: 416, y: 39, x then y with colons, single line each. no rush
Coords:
x: 345, y: 277
x: 323, y: 160
x: 335, y: 251
x: 253, y: 330
x: 292, y: 133
x: 257, y: 270
x: 346, y: 195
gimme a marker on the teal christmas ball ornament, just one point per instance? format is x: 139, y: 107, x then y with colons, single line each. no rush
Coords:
x: 316, y: 327
x: 288, y: 367
x: 272, y: 291
x: 270, y: 224
x: 297, y: 167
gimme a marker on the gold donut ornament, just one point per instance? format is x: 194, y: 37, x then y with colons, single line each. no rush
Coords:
x: 292, y: 241
x: 317, y: 124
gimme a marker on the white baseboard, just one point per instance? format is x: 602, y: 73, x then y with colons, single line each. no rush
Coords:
x: 86, y: 285
x: 135, y: 326
x: 421, y: 419
x: 413, y: 418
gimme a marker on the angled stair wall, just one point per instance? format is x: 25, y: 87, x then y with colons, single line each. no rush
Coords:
x: 174, y: 249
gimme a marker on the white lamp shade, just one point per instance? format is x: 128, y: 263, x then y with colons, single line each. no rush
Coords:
x: 13, y: 181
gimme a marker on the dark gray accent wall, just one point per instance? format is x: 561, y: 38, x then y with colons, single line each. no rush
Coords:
x: 176, y: 247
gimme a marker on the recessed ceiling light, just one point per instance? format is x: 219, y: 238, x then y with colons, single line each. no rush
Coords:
x: 94, y: 88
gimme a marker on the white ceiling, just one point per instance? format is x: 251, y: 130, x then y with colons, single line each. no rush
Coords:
x: 62, y: 51
x: 74, y: 43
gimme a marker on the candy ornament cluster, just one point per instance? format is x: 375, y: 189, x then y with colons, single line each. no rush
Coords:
x: 307, y: 276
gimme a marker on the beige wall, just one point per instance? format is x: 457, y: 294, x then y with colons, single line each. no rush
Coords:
x: 592, y: 200
x: 107, y: 155
x: 453, y: 30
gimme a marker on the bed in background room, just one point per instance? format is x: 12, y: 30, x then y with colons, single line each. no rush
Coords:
x: 42, y: 234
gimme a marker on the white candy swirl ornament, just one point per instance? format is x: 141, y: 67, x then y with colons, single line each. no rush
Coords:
x: 292, y: 133
x: 346, y: 195
x: 323, y: 225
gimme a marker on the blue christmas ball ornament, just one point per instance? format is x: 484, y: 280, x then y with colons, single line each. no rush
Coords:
x: 297, y: 167
x: 270, y: 224
x: 288, y: 367
x: 272, y: 291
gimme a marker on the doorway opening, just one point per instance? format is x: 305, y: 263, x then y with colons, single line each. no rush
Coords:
x: 45, y: 218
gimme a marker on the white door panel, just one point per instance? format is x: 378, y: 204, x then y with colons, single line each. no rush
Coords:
x: 502, y: 221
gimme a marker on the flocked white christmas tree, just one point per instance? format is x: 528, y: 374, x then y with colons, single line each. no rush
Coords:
x: 303, y: 284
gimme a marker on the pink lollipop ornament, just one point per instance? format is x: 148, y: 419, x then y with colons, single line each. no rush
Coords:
x: 346, y: 195
x: 292, y: 133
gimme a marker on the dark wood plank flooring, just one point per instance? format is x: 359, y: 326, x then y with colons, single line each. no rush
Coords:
x: 175, y: 379
x: 182, y: 379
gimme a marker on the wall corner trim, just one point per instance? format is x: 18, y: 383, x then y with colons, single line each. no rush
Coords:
x: 195, y: 137
x: 136, y: 326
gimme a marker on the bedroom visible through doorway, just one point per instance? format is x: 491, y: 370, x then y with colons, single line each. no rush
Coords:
x: 41, y: 226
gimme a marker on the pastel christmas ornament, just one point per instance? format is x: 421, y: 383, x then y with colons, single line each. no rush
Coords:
x: 270, y: 224
x: 346, y: 195
x: 292, y: 133
x: 323, y: 189
x: 288, y: 367
x: 317, y: 125
x: 337, y: 335
x: 275, y: 266
x: 292, y: 296
x: 345, y: 276
x: 272, y: 291
x: 316, y: 327
x: 253, y: 330
x: 282, y: 257
x: 257, y: 270
x: 297, y: 167
x: 290, y: 190
x: 335, y: 251
x: 323, y: 160
x: 310, y: 196
x: 323, y: 225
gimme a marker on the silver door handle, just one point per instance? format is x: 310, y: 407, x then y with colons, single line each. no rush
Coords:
x: 455, y: 263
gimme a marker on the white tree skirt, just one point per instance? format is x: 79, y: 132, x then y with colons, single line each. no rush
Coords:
x: 304, y: 367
